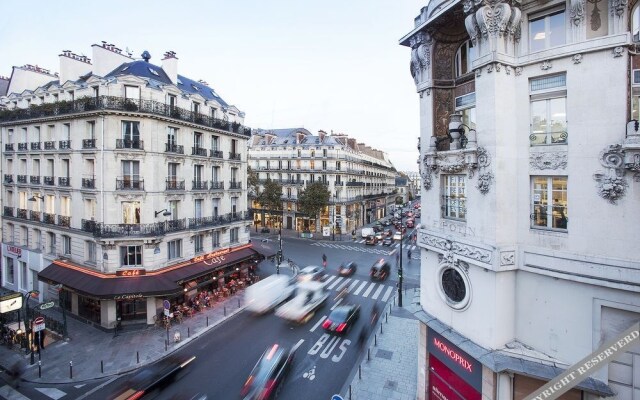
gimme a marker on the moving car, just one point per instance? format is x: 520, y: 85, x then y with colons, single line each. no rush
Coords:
x: 342, y: 318
x: 410, y: 223
x: 310, y: 273
x: 371, y: 240
x: 380, y: 270
x: 268, y: 293
x: 388, y: 233
x: 265, y: 380
x: 347, y: 269
x: 397, y: 236
x: 387, y: 241
x: 310, y: 296
x: 367, y: 232
x: 379, y: 235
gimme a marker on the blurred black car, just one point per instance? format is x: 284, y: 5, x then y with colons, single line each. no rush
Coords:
x: 371, y: 240
x: 347, y: 269
x: 387, y: 241
x: 342, y: 318
x: 386, y: 222
x: 380, y: 270
x: 267, y: 376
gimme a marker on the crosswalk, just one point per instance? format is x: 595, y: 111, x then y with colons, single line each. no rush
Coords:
x: 358, y: 287
x: 377, y: 249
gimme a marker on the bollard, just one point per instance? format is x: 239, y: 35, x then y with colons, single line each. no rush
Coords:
x: 394, y: 301
x: 368, y: 354
x: 359, y: 371
x: 101, y: 367
x: 380, y: 328
x: 138, y: 357
x: 349, y: 392
x: 39, y: 369
x: 207, y: 320
x: 238, y: 302
x: 188, y: 332
x: 386, y: 318
x: 165, y: 345
x: 225, y: 311
x: 375, y: 340
x: 70, y: 369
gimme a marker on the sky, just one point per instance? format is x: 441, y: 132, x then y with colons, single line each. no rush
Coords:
x: 332, y: 65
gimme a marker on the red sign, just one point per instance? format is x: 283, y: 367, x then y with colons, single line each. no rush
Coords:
x: 210, y: 255
x: 458, y: 361
x: 38, y: 320
x: 131, y: 272
x: 16, y: 251
x: 444, y: 384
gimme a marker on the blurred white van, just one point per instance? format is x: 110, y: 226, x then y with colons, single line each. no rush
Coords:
x: 264, y: 295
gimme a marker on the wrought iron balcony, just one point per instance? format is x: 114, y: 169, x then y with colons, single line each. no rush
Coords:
x: 22, y: 179
x: 88, y: 225
x: 88, y: 143
x: 235, y: 185
x: 49, y: 180
x: 199, y: 151
x: 175, y: 225
x: 216, y: 154
x: 64, y: 144
x: 207, y: 221
x: 130, y: 144
x: 50, y: 145
x: 132, y: 230
x: 175, y: 184
x: 34, y: 180
x: 217, y: 185
x: 23, y: 146
x: 35, y: 145
x: 22, y: 213
x: 89, y: 183
x: 174, y: 148
x: 34, y: 215
x: 294, y: 182
x: 234, y: 156
x: 199, y: 185
x: 8, y: 147
x: 8, y: 211
x: 352, y: 183
x: 128, y: 183
x: 64, y: 220
x: 8, y: 178
x: 48, y: 218
x: 64, y: 181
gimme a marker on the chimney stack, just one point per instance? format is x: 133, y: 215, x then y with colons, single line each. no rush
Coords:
x: 170, y: 66
x: 107, y: 57
x: 73, y: 66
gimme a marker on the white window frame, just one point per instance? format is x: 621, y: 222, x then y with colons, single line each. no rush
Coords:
x: 90, y: 248
x: 198, y: 243
x: 127, y: 252
x: 174, y: 249
x: 66, y: 245
x: 546, y: 17
x: 546, y: 90
x: 549, y: 204
x: 454, y: 197
x: 465, y: 55
x: 215, y: 239
x: 24, y: 275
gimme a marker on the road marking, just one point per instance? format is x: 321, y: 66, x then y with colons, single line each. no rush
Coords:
x: 335, y: 282
x: 377, y: 293
x: 336, y: 305
x: 318, y: 323
x: 295, y: 347
x: 387, y: 294
x: 329, y: 279
x: 369, y: 289
x: 353, y: 284
x: 53, y: 393
x: 7, y: 392
x: 360, y: 288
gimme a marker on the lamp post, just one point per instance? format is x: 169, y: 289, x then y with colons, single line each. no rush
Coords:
x: 400, y: 267
x: 280, y: 256
x: 335, y: 196
x: 27, y: 323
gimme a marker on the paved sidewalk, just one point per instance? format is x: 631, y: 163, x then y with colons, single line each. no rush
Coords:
x: 389, y: 370
x: 89, y: 346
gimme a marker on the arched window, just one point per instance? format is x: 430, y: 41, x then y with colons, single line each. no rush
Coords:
x: 464, y: 56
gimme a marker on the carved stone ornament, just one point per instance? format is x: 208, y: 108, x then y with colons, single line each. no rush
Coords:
x: 548, y: 160
x: 611, y: 183
x: 576, y: 12
x: 420, y: 56
x: 518, y: 71
x: 485, y: 177
x: 546, y: 65
x: 491, y: 20
x: 452, y: 248
x: 507, y: 258
x: 617, y: 7
x: 577, y: 58
x: 618, y: 51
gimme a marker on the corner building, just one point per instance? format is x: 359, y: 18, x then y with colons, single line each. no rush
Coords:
x: 123, y: 185
x: 530, y: 156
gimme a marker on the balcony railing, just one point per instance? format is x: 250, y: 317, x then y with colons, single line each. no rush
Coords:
x: 174, y: 148
x: 22, y: 213
x: 49, y: 180
x: 234, y: 156
x: 544, y: 138
x: 35, y: 145
x: 234, y: 185
x: 50, y: 145
x: 64, y: 181
x: 34, y: 215
x: 199, y: 185
x: 217, y: 185
x: 23, y: 146
x: 89, y: 183
x: 202, y: 222
x: 22, y: 179
x: 88, y: 143
x: 49, y: 218
x: 175, y: 184
x: 8, y: 178
x: 355, y: 183
x: 86, y: 104
x: 175, y: 225
x: 64, y: 144
x: 129, y: 184
x: 64, y: 220
x: 8, y: 211
x: 8, y: 147
x: 199, y: 151
x: 130, y: 144
x: 34, y: 180
x: 88, y: 225
x: 132, y: 230
x: 216, y: 154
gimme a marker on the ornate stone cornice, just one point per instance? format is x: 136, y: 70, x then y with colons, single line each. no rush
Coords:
x: 490, y: 20
x: 471, y: 159
x: 452, y: 249
x: 548, y: 160
x: 421, y: 44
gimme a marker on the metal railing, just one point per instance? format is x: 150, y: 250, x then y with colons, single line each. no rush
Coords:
x: 545, y: 138
x: 23, y: 146
x: 50, y: 145
x: 21, y: 213
x: 62, y: 181
x: 8, y: 147
x: 129, y: 184
x: 235, y: 185
x: 130, y: 144
x: 199, y: 185
x: 8, y: 178
x: 174, y: 184
x: 22, y: 179
x: 174, y: 148
x: 64, y: 220
x: 216, y: 153
x: 89, y: 183
x: 8, y: 211
x: 34, y: 180
x: 88, y: 143
x: 64, y: 144
x: 34, y: 215
x: 199, y: 151
x: 49, y: 180
x: 234, y: 156
x: 217, y: 185
x: 35, y: 145
x: 49, y: 218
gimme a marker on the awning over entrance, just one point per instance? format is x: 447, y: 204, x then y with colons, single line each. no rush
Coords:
x: 264, y: 250
x: 165, y: 282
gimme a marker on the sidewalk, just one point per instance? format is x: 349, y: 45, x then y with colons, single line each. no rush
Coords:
x: 389, y: 369
x: 97, y: 354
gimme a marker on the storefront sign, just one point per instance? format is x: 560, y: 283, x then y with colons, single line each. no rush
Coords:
x: 131, y: 272
x: 128, y: 296
x: 45, y: 306
x: 13, y: 250
x: 10, y: 302
x: 38, y: 324
x: 211, y: 255
x: 454, y: 227
x: 465, y: 366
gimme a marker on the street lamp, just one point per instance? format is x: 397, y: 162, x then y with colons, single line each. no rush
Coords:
x: 335, y: 196
x: 280, y: 256
x: 400, y: 267
x: 27, y: 326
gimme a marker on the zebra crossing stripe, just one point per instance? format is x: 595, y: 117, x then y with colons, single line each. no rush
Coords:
x: 336, y: 305
x: 335, y: 283
x: 360, y: 288
x: 369, y: 289
x: 387, y: 293
x: 318, y: 323
x: 353, y: 284
x: 377, y: 293
x: 329, y: 279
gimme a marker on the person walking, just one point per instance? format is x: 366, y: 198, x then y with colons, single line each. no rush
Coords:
x: 409, y: 254
x: 324, y: 261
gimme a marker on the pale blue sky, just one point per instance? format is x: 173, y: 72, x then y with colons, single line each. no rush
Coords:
x: 331, y: 64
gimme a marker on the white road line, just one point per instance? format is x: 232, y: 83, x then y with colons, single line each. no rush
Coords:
x: 318, y: 323
x: 387, y: 294
x: 337, y: 304
x: 335, y: 283
x: 353, y: 284
x: 360, y: 288
x: 377, y: 293
x: 329, y: 279
x: 295, y: 347
x: 7, y: 392
x: 369, y: 289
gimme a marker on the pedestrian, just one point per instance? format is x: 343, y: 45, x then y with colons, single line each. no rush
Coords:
x: 324, y: 260
x: 409, y: 254
x: 362, y: 337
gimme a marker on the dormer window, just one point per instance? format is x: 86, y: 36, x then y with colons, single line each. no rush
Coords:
x: 464, y: 57
x: 179, y: 81
x: 195, y: 88
x: 153, y: 72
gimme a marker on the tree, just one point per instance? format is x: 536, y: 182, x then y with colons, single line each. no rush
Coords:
x: 313, y: 199
x: 253, y: 183
x: 271, y: 196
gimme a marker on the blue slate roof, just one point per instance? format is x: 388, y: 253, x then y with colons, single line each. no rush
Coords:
x: 288, y: 136
x: 152, y: 72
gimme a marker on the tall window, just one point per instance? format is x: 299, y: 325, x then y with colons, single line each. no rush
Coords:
x: 454, y: 203
x: 174, y: 249
x: 90, y: 251
x: 215, y: 235
x: 549, y: 202
x: 198, y: 243
x: 66, y: 244
x: 130, y: 212
x: 548, y: 96
x: 464, y: 56
x: 37, y: 239
x: 466, y: 105
x: 132, y: 93
x: 234, y: 235
x: 215, y: 142
x: 215, y: 173
x: 546, y: 31
x: 24, y: 236
x: 198, y: 173
x: 24, y: 278
x: 197, y: 140
x: 131, y: 256
x: 172, y: 138
x: 65, y: 206
x: 174, y: 205
x: 91, y: 129
x: 215, y: 211
x: 197, y: 208
x: 131, y: 134
x: 51, y: 242
x: 234, y: 205
x: 90, y: 209
x: 131, y: 174
x: 9, y: 270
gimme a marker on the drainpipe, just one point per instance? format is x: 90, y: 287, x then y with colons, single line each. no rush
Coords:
x: 103, y: 181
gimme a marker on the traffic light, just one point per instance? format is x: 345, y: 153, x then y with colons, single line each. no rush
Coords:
x: 399, y: 272
x: 279, y: 257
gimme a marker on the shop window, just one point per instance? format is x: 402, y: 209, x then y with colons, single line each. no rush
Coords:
x: 548, y: 96
x: 89, y: 308
x: 549, y: 202
x: 131, y: 310
x: 174, y: 249
x: 547, y: 30
x: 454, y: 204
x: 131, y: 256
x: 9, y: 270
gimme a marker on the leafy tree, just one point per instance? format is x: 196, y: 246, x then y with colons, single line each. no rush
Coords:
x: 253, y: 185
x: 271, y: 196
x: 313, y: 199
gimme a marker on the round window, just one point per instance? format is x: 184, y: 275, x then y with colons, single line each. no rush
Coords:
x: 454, y: 287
